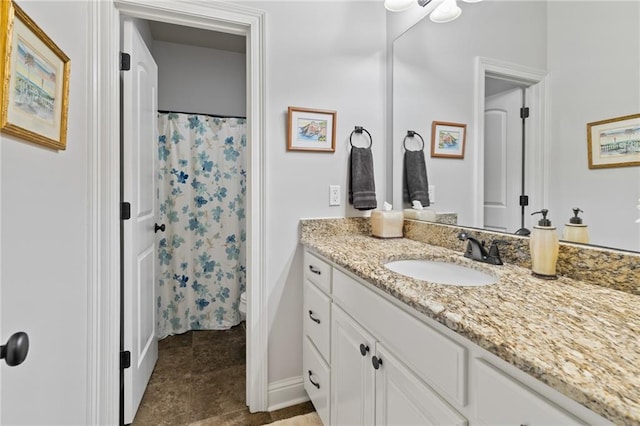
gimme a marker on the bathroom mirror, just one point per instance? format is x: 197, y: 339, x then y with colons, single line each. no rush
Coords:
x: 575, y: 62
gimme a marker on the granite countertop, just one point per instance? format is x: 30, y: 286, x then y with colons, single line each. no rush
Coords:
x: 580, y: 339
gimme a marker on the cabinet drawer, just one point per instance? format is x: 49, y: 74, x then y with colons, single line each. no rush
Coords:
x: 317, y: 318
x: 316, y: 375
x: 317, y: 271
x: 501, y: 400
x: 434, y: 358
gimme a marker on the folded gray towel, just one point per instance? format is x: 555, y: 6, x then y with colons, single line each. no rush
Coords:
x: 362, y: 187
x: 416, y: 185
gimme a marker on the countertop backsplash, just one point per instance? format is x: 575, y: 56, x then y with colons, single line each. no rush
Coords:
x: 615, y: 269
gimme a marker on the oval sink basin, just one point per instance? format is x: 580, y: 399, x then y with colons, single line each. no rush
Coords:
x: 441, y: 272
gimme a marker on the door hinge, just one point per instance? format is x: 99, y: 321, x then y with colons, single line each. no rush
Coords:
x: 524, y: 112
x: 125, y: 210
x: 125, y: 61
x: 125, y: 360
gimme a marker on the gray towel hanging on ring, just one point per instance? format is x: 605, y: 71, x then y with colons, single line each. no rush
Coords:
x: 416, y: 184
x: 362, y: 187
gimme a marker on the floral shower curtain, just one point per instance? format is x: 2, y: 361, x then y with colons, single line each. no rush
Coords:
x: 201, y: 197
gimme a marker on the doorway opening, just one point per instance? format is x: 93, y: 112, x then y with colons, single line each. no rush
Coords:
x: 104, y: 314
x: 506, y: 116
x: 190, y: 179
x: 495, y: 79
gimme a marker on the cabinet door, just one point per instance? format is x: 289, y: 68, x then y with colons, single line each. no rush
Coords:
x: 402, y: 399
x: 351, y: 371
x: 502, y: 400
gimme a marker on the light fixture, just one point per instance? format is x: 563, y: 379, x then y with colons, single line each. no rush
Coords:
x: 446, y: 11
x: 398, y: 5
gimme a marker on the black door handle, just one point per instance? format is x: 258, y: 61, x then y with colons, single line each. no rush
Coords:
x: 157, y: 228
x: 15, y: 351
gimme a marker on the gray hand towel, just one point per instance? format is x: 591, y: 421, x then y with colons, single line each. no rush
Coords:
x: 362, y: 188
x: 416, y: 185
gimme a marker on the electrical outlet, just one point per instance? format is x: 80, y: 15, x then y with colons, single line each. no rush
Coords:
x: 432, y: 194
x: 334, y: 195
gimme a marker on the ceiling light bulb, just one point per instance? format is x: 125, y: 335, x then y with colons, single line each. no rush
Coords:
x: 447, y: 11
x: 398, y: 5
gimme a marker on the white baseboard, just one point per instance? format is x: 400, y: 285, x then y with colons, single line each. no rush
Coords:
x: 285, y: 393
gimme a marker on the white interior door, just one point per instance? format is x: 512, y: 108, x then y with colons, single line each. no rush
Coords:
x: 140, y: 137
x: 503, y: 161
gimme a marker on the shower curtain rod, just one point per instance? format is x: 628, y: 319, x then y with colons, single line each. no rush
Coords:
x: 200, y: 113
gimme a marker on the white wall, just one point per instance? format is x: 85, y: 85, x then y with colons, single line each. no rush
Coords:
x: 201, y: 80
x: 44, y: 247
x: 433, y: 74
x: 327, y: 55
x: 598, y: 80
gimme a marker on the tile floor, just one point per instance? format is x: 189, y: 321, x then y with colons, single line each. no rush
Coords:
x: 199, y: 380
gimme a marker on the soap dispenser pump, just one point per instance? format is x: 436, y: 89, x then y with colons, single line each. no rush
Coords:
x: 544, y: 245
x: 575, y: 230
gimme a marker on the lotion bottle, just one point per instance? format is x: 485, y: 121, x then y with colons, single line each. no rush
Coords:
x: 575, y: 230
x: 544, y: 245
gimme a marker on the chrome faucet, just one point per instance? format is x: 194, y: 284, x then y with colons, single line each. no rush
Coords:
x: 477, y: 251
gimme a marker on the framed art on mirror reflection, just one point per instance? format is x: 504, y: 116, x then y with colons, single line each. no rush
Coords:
x: 448, y: 139
x: 614, y: 142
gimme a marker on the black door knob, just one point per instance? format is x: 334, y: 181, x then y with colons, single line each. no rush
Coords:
x: 16, y: 349
x: 363, y: 349
x: 377, y: 362
x: 159, y: 228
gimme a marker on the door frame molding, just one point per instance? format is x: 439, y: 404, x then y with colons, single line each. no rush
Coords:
x: 537, y: 174
x: 103, y: 322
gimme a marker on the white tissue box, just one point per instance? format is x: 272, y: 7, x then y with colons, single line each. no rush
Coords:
x: 427, y: 215
x: 387, y: 224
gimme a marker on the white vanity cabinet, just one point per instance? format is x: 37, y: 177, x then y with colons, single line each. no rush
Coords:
x: 382, y: 363
x: 369, y: 385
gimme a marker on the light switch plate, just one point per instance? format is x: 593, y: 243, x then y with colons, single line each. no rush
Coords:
x: 334, y: 195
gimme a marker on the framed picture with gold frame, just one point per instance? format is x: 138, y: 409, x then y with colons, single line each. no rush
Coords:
x: 448, y: 139
x: 614, y: 142
x: 311, y: 130
x: 35, y: 81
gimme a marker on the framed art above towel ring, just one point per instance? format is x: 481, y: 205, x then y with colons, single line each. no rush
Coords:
x: 34, y: 79
x: 448, y: 139
x: 311, y: 130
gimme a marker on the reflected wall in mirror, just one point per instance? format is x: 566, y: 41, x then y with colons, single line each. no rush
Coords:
x: 589, y: 54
